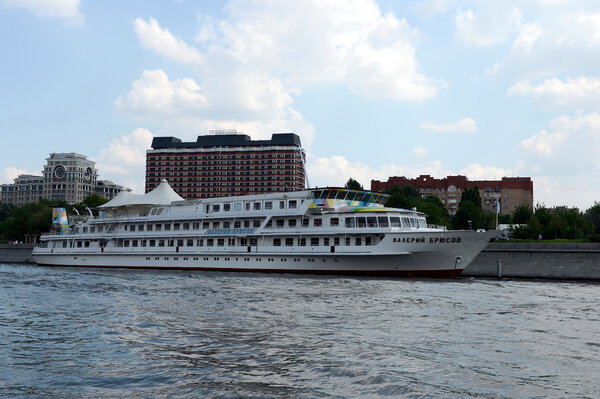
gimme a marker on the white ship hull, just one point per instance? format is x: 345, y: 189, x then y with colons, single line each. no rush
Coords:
x: 431, y: 254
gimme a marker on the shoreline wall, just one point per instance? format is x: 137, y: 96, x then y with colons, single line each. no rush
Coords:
x: 16, y: 253
x: 538, y: 260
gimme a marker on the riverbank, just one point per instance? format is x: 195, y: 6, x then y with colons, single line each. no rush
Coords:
x: 16, y: 253
x: 550, y: 260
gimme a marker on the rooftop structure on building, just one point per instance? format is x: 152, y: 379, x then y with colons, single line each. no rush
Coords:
x: 226, y: 163
x: 67, y: 177
x: 509, y: 192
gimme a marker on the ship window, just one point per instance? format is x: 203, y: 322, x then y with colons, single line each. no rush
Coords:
x: 340, y: 194
x: 305, y: 222
x: 268, y: 205
x: 161, y: 243
x: 237, y: 224
x: 131, y: 228
x: 93, y: 229
x: 336, y: 241
x: 143, y: 243
x: 277, y: 242
x: 125, y: 243
x: 368, y: 241
x: 256, y: 223
x: 167, y: 226
x: 158, y: 227
x: 325, y: 241
x: 226, y: 224
x: 422, y: 222
x: 78, y: 244
x: 289, y: 242
x: 180, y: 243
x: 220, y: 242
x: 279, y: 223
x: 100, y: 229
x: 253, y: 242
x: 216, y: 207
x: 216, y: 225
x: 153, y: 211
x: 87, y: 244
x: 292, y: 204
x: 267, y: 226
x: 64, y: 244
x: 405, y: 222
x: 200, y: 242
x: 171, y: 243
x: 205, y: 225
x: 141, y: 227
x: 358, y: 241
x: 334, y: 222
x: 371, y: 221
x: 292, y: 222
x: 176, y: 226
x: 231, y: 242
x: 395, y: 221
x: 190, y: 243
x: 237, y: 206
x: 196, y: 225
x: 210, y: 242
x: 281, y: 204
x: 413, y: 222
x: 149, y: 227
x: 361, y: 222
x: 152, y: 243
x: 351, y: 195
x: 383, y: 221
x: 314, y: 241
x: 227, y: 207
x: 248, y: 206
x: 85, y: 229
x: 302, y: 242
x: 347, y: 241
x: 318, y: 222
x: 257, y: 206
x: 246, y: 223
x: 186, y: 226
x: 350, y: 222
x: 159, y: 211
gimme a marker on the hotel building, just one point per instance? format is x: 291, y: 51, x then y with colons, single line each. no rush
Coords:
x: 510, y: 192
x: 226, y: 163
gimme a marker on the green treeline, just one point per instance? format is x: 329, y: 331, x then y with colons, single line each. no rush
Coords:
x: 18, y: 222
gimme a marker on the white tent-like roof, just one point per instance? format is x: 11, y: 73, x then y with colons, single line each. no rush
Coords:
x: 163, y: 194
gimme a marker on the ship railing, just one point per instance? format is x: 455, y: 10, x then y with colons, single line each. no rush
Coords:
x: 437, y: 226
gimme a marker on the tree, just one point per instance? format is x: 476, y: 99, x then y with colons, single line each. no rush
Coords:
x: 521, y: 214
x: 470, y: 213
x: 592, y: 215
x: 353, y: 185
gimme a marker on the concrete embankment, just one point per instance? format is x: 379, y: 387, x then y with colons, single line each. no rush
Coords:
x: 16, y: 253
x: 538, y: 260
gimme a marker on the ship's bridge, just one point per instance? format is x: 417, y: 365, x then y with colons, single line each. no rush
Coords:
x: 348, y: 197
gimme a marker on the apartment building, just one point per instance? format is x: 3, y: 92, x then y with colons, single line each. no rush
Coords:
x: 510, y: 192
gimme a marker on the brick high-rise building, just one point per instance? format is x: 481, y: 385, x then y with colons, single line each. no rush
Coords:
x: 510, y: 191
x: 225, y: 164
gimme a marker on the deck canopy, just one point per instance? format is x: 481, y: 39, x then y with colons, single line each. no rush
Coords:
x: 163, y: 194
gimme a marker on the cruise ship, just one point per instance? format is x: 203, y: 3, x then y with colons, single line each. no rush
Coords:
x: 318, y: 230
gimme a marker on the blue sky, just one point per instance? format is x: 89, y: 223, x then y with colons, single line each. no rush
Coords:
x: 375, y: 89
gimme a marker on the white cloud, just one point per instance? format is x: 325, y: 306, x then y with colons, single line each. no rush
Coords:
x: 484, y: 172
x: 581, y: 92
x: 161, y: 40
x: 9, y: 173
x: 463, y: 125
x: 488, y: 26
x: 63, y: 9
x: 336, y: 170
x: 420, y: 152
x: 124, y: 160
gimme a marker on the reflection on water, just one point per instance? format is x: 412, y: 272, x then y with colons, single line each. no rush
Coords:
x: 69, y: 333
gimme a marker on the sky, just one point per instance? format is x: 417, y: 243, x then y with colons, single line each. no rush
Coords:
x: 480, y: 88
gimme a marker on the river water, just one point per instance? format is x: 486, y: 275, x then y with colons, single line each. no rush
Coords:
x: 91, y: 333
